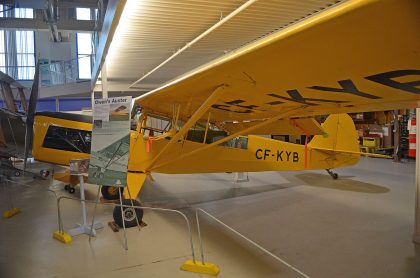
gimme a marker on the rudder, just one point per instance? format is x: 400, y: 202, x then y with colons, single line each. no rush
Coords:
x: 341, y: 135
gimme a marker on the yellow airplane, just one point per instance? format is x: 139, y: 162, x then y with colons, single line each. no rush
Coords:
x: 357, y: 56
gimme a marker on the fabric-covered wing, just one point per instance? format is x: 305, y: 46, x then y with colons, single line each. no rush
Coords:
x: 361, y: 55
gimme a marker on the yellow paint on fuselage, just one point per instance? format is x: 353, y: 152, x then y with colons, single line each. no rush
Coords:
x: 50, y: 155
x: 338, y: 148
x: 187, y: 157
x: 263, y: 154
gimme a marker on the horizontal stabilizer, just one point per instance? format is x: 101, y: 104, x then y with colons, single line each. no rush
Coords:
x: 353, y: 153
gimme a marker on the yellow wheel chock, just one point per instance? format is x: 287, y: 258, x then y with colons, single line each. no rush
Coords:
x: 63, y: 237
x: 11, y: 212
x: 200, y: 267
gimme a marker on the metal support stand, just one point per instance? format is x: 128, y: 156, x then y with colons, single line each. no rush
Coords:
x: 241, y: 177
x: 123, y: 222
x: 94, y: 212
x: 84, y: 228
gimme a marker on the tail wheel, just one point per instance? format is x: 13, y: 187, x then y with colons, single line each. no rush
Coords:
x: 111, y: 192
x: 44, y: 173
x: 129, y: 214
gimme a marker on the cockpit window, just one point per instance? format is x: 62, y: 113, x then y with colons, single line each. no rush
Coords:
x: 237, y: 142
x: 67, y: 139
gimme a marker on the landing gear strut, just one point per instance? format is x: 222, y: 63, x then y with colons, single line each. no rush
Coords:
x: 332, y: 174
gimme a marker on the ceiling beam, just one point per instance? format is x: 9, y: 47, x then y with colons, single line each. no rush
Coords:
x: 37, y: 4
x: 39, y: 24
x: 112, y: 17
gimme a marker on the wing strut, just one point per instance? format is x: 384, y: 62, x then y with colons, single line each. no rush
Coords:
x: 212, y: 99
x: 207, y: 128
x: 288, y: 113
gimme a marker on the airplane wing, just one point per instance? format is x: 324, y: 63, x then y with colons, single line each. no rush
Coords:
x: 361, y: 55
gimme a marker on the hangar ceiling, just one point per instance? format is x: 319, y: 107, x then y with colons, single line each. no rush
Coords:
x: 151, y: 45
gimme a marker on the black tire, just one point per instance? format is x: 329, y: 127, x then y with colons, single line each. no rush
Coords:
x: 129, y: 214
x: 72, y: 190
x: 67, y: 187
x: 17, y: 173
x: 111, y: 192
x: 335, y: 176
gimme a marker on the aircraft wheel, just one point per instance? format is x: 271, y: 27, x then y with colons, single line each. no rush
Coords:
x: 111, y: 192
x: 44, y: 173
x: 67, y: 187
x: 17, y: 173
x: 71, y: 190
x: 129, y: 214
x: 335, y: 176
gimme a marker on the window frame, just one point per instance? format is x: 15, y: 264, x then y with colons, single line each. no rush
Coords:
x: 34, y: 66
x: 81, y: 55
x: 51, y: 133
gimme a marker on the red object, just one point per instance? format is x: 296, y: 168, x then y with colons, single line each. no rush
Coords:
x: 149, y: 141
x: 306, y: 150
x: 412, y: 139
x: 306, y: 142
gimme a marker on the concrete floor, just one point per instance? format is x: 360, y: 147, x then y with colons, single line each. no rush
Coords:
x: 357, y: 226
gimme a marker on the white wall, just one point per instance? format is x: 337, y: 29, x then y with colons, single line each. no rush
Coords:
x: 55, y: 51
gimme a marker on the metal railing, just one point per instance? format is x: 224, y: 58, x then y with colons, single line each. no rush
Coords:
x: 61, y: 225
x: 5, y: 180
x: 61, y: 72
x: 253, y: 243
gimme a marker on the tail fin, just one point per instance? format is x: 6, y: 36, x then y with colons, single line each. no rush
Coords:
x: 341, y: 135
x: 339, y: 147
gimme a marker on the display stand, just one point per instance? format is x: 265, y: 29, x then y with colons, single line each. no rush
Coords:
x: 77, y: 169
x: 241, y: 177
x: 122, y: 215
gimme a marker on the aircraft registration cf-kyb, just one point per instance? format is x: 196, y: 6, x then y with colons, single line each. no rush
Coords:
x: 354, y: 57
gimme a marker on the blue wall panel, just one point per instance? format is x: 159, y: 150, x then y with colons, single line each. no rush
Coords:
x: 65, y: 104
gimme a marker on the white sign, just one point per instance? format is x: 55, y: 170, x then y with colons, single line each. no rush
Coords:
x: 110, y: 141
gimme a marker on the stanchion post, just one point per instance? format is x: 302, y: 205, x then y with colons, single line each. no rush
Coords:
x: 94, y: 212
x: 123, y: 221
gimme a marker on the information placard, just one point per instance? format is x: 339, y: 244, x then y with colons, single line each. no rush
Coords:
x: 110, y: 141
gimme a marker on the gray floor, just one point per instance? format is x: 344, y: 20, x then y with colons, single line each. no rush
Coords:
x: 358, y: 226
